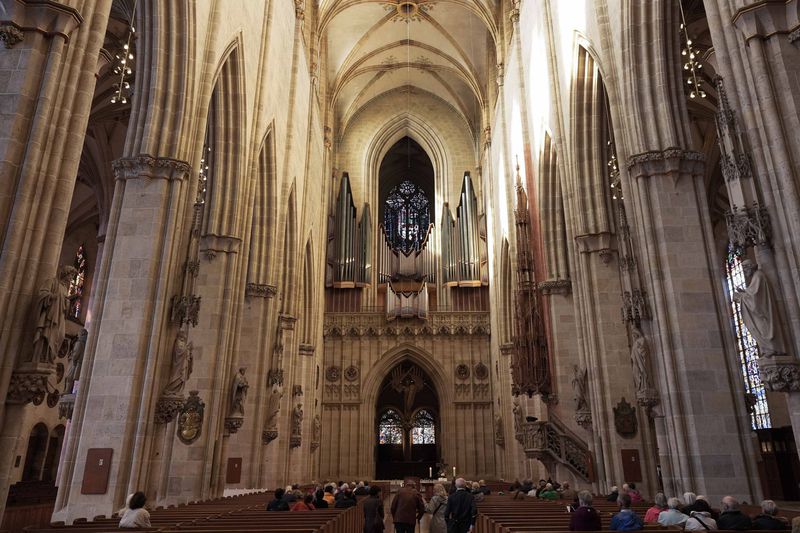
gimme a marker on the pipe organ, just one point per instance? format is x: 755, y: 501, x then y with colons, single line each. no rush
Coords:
x: 349, y: 242
x: 406, y: 302
x: 418, y: 264
x: 464, y: 258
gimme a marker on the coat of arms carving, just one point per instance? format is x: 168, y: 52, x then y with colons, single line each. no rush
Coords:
x: 190, y: 420
x: 625, y: 419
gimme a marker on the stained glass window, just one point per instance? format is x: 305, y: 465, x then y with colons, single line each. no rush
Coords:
x: 390, y: 428
x: 424, y: 431
x: 406, y: 217
x: 746, y: 344
x: 76, y: 283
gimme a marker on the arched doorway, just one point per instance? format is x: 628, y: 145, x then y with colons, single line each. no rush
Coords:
x: 407, y: 424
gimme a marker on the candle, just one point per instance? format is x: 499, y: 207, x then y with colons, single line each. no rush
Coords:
x: 430, y: 472
x: 454, y: 471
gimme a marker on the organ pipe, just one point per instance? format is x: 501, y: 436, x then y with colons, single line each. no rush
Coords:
x: 461, y: 241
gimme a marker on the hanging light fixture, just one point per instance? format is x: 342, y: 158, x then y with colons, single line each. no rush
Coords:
x: 122, y: 66
x: 692, y: 66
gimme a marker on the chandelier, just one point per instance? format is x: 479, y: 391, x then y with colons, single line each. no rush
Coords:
x: 408, y: 10
x: 692, y: 65
x: 122, y: 66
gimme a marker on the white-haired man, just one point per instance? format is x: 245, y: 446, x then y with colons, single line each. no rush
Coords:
x: 767, y: 519
x: 460, y: 511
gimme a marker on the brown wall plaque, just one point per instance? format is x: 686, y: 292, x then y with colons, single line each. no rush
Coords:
x: 234, y: 474
x: 631, y: 466
x: 97, y: 470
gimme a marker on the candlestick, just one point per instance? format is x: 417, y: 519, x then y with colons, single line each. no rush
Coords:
x: 454, y: 471
x: 430, y: 472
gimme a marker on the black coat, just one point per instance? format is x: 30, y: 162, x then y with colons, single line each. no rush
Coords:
x: 460, y: 511
x: 765, y: 521
x: 734, y: 520
x: 277, y: 505
x: 373, y: 515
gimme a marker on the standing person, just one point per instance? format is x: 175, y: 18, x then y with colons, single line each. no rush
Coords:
x: 407, y: 508
x: 373, y: 511
x: 586, y: 517
x: 625, y: 519
x: 460, y: 511
x: 136, y: 515
x: 437, y: 507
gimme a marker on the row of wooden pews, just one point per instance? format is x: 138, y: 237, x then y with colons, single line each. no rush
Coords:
x: 503, y: 514
x: 245, y: 514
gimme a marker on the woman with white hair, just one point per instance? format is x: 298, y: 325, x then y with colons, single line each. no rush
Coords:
x: 436, y: 507
x: 659, y: 505
x: 672, y: 516
x: 767, y: 519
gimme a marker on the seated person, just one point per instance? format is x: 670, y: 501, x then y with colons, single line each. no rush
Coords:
x: 477, y: 494
x: 306, y: 504
x: 319, y: 500
x: 548, y: 492
x: 630, y: 489
x: 732, y: 517
x: 278, y: 503
x: 660, y: 504
x: 586, y: 517
x: 484, y: 489
x: 625, y: 519
x: 567, y: 493
x: 672, y: 516
x: 613, y: 495
x: 700, y: 518
x: 768, y: 520
x: 345, y: 499
x: 135, y: 515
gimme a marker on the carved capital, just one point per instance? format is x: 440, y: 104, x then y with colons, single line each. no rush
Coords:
x: 46, y: 17
x: 29, y: 384
x: 749, y: 226
x: 671, y: 161
x: 780, y: 374
x: 295, y: 441
x: 268, y: 435
x: 167, y: 407
x: 647, y: 398
x: 794, y: 36
x: 10, y: 35
x: 147, y: 166
x: 766, y: 19
x: 584, y: 418
x: 211, y: 245
x: 507, y: 349
x: 555, y: 286
x: 287, y: 321
x: 603, y: 244
x: 233, y: 424
x: 306, y: 349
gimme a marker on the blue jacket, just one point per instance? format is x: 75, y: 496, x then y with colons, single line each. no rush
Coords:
x: 626, y: 520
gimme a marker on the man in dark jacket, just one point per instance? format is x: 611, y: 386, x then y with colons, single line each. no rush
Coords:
x: 731, y: 517
x: 460, y: 511
x: 278, y: 504
x: 346, y: 499
x: 373, y: 511
x: 407, y: 508
x: 767, y: 518
x: 586, y: 517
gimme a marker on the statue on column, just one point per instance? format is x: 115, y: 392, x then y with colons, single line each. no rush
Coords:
x: 640, y: 360
x: 580, y: 383
x: 52, y: 308
x: 75, y: 361
x: 499, y: 437
x: 297, y: 426
x: 238, y: 394
x: 316, y: 434
x: 519, y: 418
x: 760, y: 311
x: 273, y: 406
x: 182, y: 362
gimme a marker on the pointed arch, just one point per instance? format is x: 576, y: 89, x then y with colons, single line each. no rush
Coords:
x: 287, y: 282
x: 590, y: 137
x: 225, y: 141
x: 264, y: 223
x: 308, y: 309
x: 506, y: 288
x: 551, y: 206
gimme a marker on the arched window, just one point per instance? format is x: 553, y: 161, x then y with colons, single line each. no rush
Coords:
x: 406, y: 217
x: 745, y: 343
x: 424, y: 430
x: 390, y: 428
x: 76, y: 284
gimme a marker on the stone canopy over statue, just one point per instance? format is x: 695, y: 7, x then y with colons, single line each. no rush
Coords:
x: 760, y: 311
x: 52, y: 307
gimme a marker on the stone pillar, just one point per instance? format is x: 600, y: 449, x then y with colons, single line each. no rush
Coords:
x: 47, y: 74
x: 705, y: 436
x: 121, y: 385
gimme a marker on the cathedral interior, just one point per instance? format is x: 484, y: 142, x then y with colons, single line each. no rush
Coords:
x: 249, y: 243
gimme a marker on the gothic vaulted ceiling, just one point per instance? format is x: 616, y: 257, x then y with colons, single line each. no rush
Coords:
x: 442, y: 47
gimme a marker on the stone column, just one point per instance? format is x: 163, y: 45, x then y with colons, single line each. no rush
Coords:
x: 698, y: 379
x: 47, y: 72
x: 120, y: 387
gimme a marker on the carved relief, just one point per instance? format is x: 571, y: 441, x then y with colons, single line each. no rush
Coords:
x: 185, y: 310
x: 167, y: 408
x: 10, y: 35
x: 481, y: 371
x: 332, y: 373
x: 190, y: 421
x: 260, y: 290
x: 451, y: 324
x: 462, y: 371
x: 351, y: 373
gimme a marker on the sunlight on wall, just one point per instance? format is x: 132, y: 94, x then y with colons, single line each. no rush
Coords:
x: 500, y: 197
x: 538, y: 82
x: 570, y: 17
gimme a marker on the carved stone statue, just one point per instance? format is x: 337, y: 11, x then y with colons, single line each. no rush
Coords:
x: 640, y: 358
x: 317, y: 433
x: 238, y: 394
x: 52, y: 308
x: 580, y: 383
x: 75, y: 361
x: 273, y: 406
x: 760, y: 311
x: 499, y: 438
x: 297, y: 419
x: 519, y: 418
x: 181, y: 368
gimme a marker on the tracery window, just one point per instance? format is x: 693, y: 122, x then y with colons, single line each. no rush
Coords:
x: 390, y: 428
x: 745, y: 343
x: 76, y: 283
x: 424, y: 430
x: 406, y: 217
